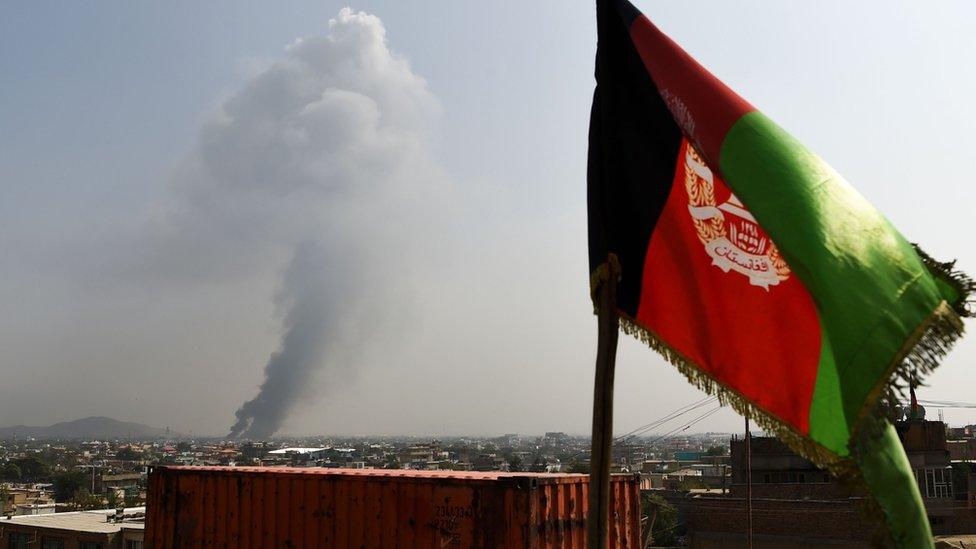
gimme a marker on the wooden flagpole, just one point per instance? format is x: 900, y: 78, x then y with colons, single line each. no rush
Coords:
x: 601, y: 440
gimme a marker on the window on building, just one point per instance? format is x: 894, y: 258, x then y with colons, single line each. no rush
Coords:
x: 943, y: 483
x: 89, y: 545
x: 133, y: 544
x: 935, y: 483
x: 17, y: 540
x: 52, y: 543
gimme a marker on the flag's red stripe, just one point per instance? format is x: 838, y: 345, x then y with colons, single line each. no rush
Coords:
x: 703, y: 106
x: 763, y: 343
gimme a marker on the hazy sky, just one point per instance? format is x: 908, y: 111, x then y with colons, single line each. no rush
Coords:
x: 158, y: 188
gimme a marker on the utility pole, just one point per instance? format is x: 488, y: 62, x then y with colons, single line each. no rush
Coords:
x: 748, y: 485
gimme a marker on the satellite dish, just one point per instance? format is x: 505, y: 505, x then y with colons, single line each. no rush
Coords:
x: 920, y: 413
x: 905, y: 412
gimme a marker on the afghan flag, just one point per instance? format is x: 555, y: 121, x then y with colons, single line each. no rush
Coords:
x: 757, y: 269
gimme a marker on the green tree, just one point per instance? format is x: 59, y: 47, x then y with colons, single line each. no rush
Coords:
x: 579, y: 467
x: 660, y: 520
x: 717, y: 451
x: 33, y: 469
x: 689, y: 482
x: 112, y: 499
x: 515, y: 464
x: 10, y: 472
x: 538, y: 464
x: 66, y: 485
x: 83, y: 500
x: 183, y: 446
x: 128, y: 454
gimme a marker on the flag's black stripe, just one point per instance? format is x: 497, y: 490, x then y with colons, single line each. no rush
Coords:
x: 634, y: 145
x: 627, y: 12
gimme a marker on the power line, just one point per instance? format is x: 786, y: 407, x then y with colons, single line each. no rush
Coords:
x: 670, y: 415
x: 665, y: 419
x: 685, y: 427
x: 946, y: 404
x: 674, y: 414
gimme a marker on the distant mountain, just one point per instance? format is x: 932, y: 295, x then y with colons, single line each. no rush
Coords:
x: 88, y: 428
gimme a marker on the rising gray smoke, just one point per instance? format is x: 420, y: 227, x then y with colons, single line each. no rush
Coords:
x: 311, y: 299
x: 340, y: 125
x: 319, y: 160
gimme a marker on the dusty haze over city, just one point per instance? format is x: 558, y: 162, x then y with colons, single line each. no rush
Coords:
x: 372, y: 220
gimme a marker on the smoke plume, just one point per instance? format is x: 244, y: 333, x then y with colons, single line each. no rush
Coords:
x: 319, y: 163
x: 310, y: 300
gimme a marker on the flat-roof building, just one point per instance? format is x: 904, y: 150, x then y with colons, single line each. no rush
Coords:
x: 100, y: 529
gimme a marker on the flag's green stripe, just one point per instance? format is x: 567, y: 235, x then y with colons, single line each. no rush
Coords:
x: 870, y: 287
x: 889, y: 478
x: 828, y: 424
x: 950, y: 294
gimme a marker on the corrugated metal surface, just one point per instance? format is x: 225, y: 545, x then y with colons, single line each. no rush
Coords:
x: 252, y: 507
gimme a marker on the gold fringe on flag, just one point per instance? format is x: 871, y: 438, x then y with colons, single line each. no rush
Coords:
x: 919, y: 356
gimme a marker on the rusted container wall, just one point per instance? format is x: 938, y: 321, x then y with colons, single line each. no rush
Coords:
x: 254, y: 507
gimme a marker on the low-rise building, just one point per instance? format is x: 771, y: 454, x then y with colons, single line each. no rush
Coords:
x: 105, y: 482
x: 299, y: 456
x: 102, y: 529
x: 24, y: 497
x: 790, y: 490
x: 928, y: 454
x: 35, y: 508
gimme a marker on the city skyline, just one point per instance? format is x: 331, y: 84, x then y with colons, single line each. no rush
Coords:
x: 108, y: 106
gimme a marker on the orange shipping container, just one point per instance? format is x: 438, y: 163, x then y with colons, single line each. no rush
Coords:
x: 255, y: 507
